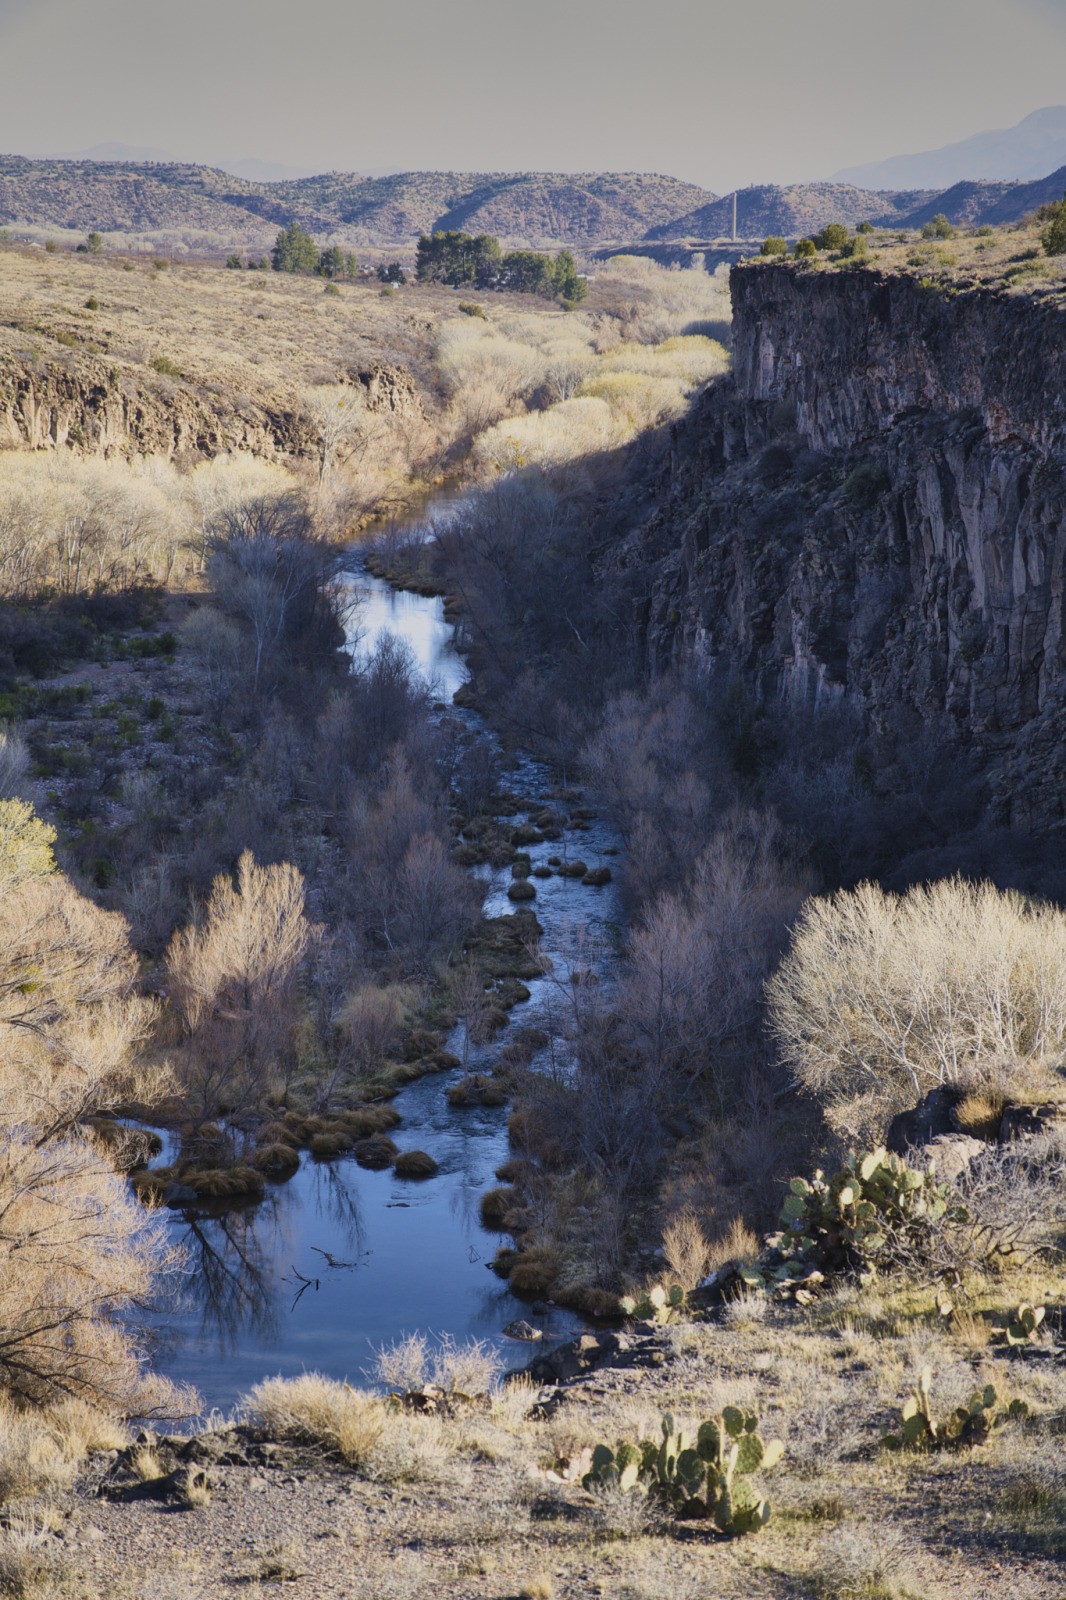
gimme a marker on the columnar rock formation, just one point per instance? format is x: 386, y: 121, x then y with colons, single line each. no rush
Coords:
x: 872, y: 511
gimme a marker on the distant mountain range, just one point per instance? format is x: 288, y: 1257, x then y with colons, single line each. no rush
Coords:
x: 1032, y: 148
x: 207, y: 208
x: 532, y: 207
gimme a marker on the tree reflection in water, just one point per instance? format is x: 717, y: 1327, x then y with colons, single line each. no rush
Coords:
x: 237, y: 1258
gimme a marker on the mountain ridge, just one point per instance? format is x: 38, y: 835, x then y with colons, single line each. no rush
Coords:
x: 1026, y: 151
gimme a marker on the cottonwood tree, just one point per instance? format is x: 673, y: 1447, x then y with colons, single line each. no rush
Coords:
x: 337, y: 413
x: 234, y: 982
x: 78, y: 1257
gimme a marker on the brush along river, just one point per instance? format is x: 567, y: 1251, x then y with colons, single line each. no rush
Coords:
x: 339, y: 1260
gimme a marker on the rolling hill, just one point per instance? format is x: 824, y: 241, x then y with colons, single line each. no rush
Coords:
x: 160, y: 197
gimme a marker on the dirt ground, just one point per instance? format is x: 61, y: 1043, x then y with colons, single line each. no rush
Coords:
x: 461, y: 1505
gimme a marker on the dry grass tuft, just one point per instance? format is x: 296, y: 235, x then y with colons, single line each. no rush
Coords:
x: 317, y: 1410
x: 41, y: 1448
x: 539, y: 1587
x: 868, y: 1562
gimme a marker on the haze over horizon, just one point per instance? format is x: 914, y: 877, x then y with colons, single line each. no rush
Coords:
x: 704, y: 92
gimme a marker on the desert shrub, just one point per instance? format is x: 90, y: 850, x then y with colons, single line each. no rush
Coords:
x: 774, y: 246
x: 882, y: 997
x: 14, y: 765
x: 165, y: 366
x: 939, y: 228
x: 834, y: 236
x: 865, y: 227
x: 1053, y: 237
x: 805, y: 248
x: 866, y: 483
x: 25, y: 843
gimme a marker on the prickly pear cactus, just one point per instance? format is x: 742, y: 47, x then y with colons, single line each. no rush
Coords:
x: 657, y: 1305
x: 705, y: 1475
x: 1023, y: 1326
x: 963, y: 1428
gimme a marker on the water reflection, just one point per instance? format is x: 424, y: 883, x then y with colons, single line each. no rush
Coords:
x: 340, y: 1260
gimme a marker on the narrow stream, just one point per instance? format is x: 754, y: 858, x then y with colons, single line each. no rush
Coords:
x: 339, y: 1260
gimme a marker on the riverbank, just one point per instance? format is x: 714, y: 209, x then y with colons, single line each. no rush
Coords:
x: 474, y: 1502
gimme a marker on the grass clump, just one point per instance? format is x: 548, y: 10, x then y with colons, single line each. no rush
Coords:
x: 313, y: 1409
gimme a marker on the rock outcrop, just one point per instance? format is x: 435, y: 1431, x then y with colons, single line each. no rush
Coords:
x: 99, y: 407
x: 871, y: 512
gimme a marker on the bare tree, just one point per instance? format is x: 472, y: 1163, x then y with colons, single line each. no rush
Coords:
x: 234, y: 980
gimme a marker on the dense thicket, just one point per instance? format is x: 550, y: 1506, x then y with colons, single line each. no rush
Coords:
x: 457, y: 258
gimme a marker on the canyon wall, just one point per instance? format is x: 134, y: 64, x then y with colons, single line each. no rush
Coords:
x: 871, y: 512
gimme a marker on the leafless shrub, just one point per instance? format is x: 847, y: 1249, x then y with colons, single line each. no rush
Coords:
x: 870, y: 1558
x: 698, y: 958
x: 74, y: 525
x: 233, y: 979
x: 883, y: 997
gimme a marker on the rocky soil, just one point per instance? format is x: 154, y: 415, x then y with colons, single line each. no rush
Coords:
x: 476, y: 1504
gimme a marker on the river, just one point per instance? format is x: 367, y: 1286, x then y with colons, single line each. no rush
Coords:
x: 340, y: 1260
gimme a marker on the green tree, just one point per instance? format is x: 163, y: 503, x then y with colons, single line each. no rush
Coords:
x: 456, y: 258
x: 330, y: 263
x: 569, y: 284
x: 1053, y: 237
x: 294, y: 250
x: 351, y: 265
x: 774, y: 246
x: 528, y: 272
x: 95, y: 243
x: 392, y: 273
x: 234, y: 262
x: 805, y: 248
x: 865, y: 227
x: 834, y: 236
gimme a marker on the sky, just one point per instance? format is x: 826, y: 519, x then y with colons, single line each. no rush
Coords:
x: 724, y: 95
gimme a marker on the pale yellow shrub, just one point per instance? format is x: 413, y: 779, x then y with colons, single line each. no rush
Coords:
x: 636, y: 400
x: 318, y: 1410
x: 546, y: 438
x: 76, y: 524
x: 883, y: 997
x: 692, y: 360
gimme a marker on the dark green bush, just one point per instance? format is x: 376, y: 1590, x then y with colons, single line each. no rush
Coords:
x: 834, y: 236
x: 774, y: 246
x: 163, y: 364
x: 805, y: 248
x: 866, y: 483
x: 939, y: 228
x: 1053, y: 237
x: 865, y: 227
x: 234, y: 263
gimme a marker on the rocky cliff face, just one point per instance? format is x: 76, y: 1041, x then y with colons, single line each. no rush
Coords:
x: 89, y: 404
x: 872, y: 512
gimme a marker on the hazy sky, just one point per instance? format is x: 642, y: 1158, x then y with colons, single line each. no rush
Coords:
x: 722, y: 94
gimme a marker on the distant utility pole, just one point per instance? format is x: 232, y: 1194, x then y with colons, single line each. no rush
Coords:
x: 734, y: 216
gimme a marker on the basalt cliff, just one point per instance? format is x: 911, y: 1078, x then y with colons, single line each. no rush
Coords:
x: 870, y: 512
